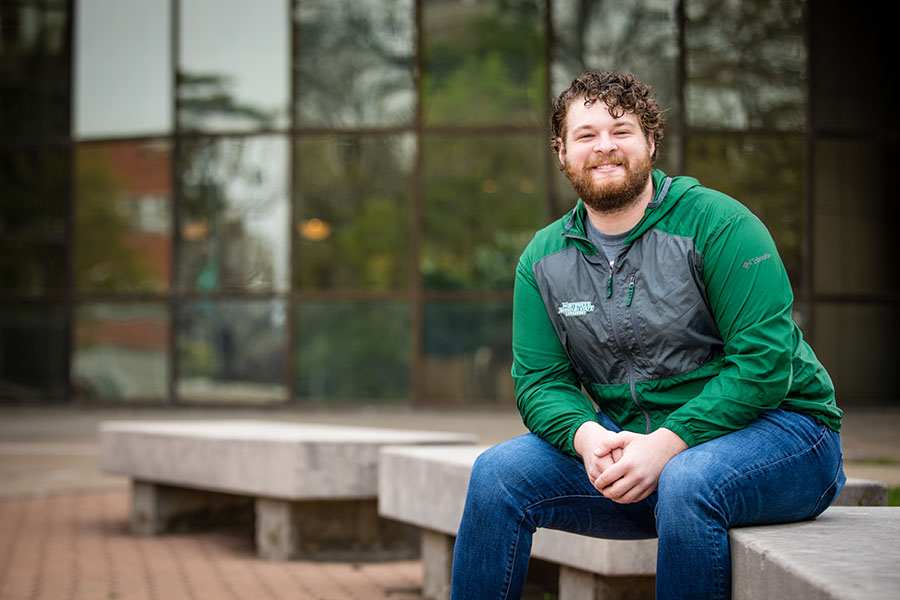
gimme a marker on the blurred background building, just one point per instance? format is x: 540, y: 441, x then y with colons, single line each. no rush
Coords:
x: 321, y: 202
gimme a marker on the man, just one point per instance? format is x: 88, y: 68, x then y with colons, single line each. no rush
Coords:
x: 667, y: 305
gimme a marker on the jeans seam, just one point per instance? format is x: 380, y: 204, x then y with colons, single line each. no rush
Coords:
x: 760, y: 467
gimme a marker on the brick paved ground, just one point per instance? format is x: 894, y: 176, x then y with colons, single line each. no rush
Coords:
x: 76, y: 546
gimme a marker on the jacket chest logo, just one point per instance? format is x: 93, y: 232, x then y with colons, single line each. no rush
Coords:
x: 575, y: 309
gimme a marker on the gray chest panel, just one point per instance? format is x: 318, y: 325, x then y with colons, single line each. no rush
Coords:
x: 655, y: 323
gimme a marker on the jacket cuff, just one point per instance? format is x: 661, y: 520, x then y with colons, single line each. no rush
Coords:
x: 681, y: 431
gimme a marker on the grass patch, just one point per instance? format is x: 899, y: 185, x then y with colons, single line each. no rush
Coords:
x: 894, y: 496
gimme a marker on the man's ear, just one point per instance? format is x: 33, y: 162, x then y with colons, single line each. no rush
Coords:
x: 562, y: 151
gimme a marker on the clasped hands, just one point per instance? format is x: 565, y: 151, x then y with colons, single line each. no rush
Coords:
x: 625, y: 466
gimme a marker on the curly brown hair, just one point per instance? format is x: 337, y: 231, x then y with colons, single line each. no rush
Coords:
x: 621, y: 92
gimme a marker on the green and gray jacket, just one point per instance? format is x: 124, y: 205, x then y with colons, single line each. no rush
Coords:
x: 691, y: 330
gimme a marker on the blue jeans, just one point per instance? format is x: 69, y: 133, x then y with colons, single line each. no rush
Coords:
x: 782, y: 467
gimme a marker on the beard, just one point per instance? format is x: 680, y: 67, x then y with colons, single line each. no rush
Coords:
x: 611, y: 196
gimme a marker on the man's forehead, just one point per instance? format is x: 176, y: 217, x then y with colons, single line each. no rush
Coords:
x: 581, y: 112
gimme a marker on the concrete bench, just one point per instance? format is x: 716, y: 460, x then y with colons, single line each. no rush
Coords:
x: 847, y: 553
x: 312, y: 487
x: 426, y: 487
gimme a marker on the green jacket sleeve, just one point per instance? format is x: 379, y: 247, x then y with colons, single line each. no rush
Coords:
x: 751, y: 299
x: 548, y: 392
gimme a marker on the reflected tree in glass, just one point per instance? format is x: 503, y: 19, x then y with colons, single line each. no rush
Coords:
x: 355, y: 63
x: 483, y: 62
x: 121, y: 352
x: 123, y: 217
x: 353, y: 197
x: 484, y: 199
x: 746, y: 64
x: 232, y: 351
x: 468, y: 353
x: 233, y: 65
x: 766, y: 175
x: 618, y: 35
x: 352, y: 351
x: 233, y: 217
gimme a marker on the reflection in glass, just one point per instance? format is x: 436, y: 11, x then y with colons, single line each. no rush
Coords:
x: 233, y: 69
x: 618, y: 35
x: 35, y: 69
x: 232, y: 351
x: 353, y: 211
x: 233, y: 218
x: 483, y: 62
x: 121, y: 352
x: 855, y: 240
x: 352, y: 351
x: 851, y: 82
x: 355, y: 63
x: 123, y: 57
x: 746, y: 64
x: 468, y: 353
x: 33, y: 220
x: 32, y: 352
x: 857, y: 344
x: 766, y: 175
x: 123, y: 217
x: 484, y: 199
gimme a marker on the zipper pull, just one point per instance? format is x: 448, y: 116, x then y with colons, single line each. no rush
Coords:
x: 609, y: 280
x: 630, y: 291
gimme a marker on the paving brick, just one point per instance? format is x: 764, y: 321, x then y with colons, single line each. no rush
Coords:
x: 76, y: 546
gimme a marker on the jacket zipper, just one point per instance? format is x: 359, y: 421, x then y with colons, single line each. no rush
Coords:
x: 634, y: 323
x: 628, y: 362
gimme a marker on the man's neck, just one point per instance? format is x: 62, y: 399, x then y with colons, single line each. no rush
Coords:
x: 625, y: 219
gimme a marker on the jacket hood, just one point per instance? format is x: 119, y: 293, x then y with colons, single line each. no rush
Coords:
x: 667, y: 191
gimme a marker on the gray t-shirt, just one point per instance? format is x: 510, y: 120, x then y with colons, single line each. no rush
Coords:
x: 609, y: 245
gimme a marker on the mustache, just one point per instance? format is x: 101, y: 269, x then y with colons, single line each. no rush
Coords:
x: 621, y: 160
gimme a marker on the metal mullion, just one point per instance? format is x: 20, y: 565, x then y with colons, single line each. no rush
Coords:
x: 417, y: 309
x: 176, y: 146
x: 808, y: 259
x: 291, y: 297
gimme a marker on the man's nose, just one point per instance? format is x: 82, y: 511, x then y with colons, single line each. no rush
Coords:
x: 604, y: 143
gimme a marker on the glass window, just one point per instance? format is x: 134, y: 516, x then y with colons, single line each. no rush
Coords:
x: 746, y: 64
x: 121, y: 352
x: 32, y: 352
x: 355, y: 63
x: 468, y: 353
x: 349, y: 351
x: 766, y: 175
x: 233, y: 69
x: 484, y: 199
x: 855, y: 240
x: 233, y: 218
x: 33, y: 220
x: 855, y: 59
x: 35, y: 71
x: 353, y: 220
x: 634, y: 37
x: 232, y: 351
x: 124, y: 68
x: 123, y: 217
x: 857, y: 344
x: 483, y: 62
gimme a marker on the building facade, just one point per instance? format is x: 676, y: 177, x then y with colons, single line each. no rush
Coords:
x: 322, y: 202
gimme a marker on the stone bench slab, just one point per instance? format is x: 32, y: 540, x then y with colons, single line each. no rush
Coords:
x: 426, y: 487
x: 847, y: 553
x: 312, y: 487
x: 293, y: 461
